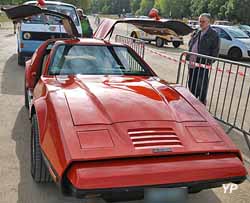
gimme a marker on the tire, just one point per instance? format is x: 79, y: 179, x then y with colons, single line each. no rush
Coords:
x: 134, y: 35
x: 235, y: 53
x: 39, y: 170
x: 20, y: 59
x: 194, y: 191
x: 159, y: 42
x: 176, y: 44
x: 26, y: 99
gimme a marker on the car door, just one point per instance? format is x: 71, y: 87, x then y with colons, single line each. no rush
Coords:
x: 225, y: 40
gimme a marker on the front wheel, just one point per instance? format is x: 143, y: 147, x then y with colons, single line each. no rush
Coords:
x: 176, y: 44
x: 134, y: 35
x: 159, y: 42
x: 39, y: 170
x: 20, y: 59
x: 235, y: 53
x: 26, y: 98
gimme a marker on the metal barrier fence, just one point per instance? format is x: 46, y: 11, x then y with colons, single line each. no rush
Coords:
x: 136, y: 44
x: 223, y: 85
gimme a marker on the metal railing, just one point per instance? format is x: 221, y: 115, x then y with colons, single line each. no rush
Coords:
x: 137, y: 45
x: 223, y: 85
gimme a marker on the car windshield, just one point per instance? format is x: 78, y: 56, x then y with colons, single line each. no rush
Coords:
x: 52, y: 20
x: 96, y: 60
x: 237, y: 33
x: 245, y: 27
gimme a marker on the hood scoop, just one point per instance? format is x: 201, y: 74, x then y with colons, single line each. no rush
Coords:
x: 154, y: 138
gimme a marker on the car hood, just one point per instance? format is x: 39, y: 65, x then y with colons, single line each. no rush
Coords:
x: 110, y: 117
x: 114, y: 99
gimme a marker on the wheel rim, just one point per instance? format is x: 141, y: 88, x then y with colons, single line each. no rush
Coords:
x: 235, y: 54
x: 134, y: 35
x: 176, y: 44
x: 159, y: 42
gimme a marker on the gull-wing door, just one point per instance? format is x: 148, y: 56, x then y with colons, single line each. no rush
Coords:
x: 24, y: 11
x: 150, y: 26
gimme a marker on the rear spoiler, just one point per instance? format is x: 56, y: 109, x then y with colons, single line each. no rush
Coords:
x: 150, y: 26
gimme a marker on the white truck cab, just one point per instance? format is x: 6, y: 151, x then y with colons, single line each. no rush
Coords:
x: 34, y: 30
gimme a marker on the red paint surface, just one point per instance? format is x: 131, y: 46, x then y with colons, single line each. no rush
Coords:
x: 126, y: 173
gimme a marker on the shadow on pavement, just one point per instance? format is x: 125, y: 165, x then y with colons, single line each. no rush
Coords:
x: 12, y: 77
x: 204, y: 196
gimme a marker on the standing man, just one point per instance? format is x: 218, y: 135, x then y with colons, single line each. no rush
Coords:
x: 87, y: 31
x: 206, y: 41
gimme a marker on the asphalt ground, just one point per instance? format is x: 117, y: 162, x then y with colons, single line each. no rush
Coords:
x: 17, y: 185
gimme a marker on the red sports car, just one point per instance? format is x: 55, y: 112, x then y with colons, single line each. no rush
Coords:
x: 104, y: 123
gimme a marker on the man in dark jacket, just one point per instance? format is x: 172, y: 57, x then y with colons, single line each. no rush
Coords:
x: 205, y: 41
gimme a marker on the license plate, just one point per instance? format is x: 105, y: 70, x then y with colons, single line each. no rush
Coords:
x: 166, y: 195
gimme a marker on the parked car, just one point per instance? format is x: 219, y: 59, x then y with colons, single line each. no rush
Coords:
x: 245, y: 28
x: 33, y: 31
x: 103, y: 123
x: 159, y: 40
x: 194, y: 24
x: 129, y: 15
x: 234, y: 42
x: 171, y: 34
x: 222, y: 22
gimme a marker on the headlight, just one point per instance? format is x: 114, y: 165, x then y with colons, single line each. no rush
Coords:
x: 26, y: 35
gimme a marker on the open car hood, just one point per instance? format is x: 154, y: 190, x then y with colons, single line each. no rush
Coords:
x: 24, y: 11
x: 150, y: 26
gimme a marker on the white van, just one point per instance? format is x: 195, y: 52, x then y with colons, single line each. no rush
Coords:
x: 36, y: 29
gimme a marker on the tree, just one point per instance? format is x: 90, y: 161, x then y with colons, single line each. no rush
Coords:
x: 198, y: 7
x: 217, y: 8
x: 238, y: 10
x: 85, y: 4
x: 145, y: 7
x: 175, y: 9
x: 135, y: 5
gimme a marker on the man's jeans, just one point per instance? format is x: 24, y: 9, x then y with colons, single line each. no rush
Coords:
x: 198, y: 83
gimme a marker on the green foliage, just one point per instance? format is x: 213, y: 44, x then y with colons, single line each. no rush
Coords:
x: 11, y: 2
x: 157, y: 4
x: 234, y: 10
x: 175, y: 9
x: 135, y: 5
x: 199, y: 6
x: 238, y: 10
x: 111, y: 6
x: 145, y: 7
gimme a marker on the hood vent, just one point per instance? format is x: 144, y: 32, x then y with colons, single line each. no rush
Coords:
x: 154, y: 138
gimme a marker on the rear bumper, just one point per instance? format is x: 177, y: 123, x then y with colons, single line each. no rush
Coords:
x: 138, y: 192
x: 195, y: 173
